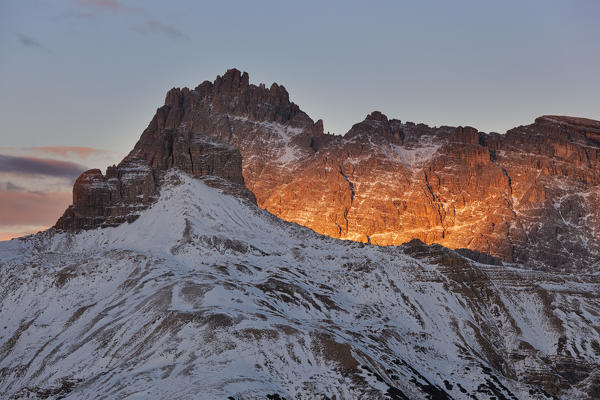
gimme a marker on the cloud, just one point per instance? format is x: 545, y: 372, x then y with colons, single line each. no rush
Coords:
x: 34, y: 192
x: 27, y: 208
x: 145, y: 27
x: 28, y: 41
x: 64, y: 151
x: 153, y: 26
x: 10, y: 187
x: 88, y: 9
x: 40, y: 166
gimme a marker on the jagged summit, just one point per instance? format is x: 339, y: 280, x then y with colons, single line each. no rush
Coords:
x: 527, y: 196
x: 193, y: 132
x: 232, y: 93
x: 377, y: 116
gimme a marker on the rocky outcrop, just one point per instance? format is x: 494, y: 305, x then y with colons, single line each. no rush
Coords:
x: 129, y: 188
x: 529, y: 196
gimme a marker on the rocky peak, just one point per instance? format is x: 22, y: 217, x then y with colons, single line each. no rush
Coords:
x: 377, y: 116
x: 132, y: 186
x: 233, y: 94
x: 192, y: 132
x: 572, y: 129
x: 576, y: 122
x: 529, y: 195
x: 233, y: 80
x: 468, y: 135
x: 174, y: 98
x: 377, y: 124
x: 318, y: 128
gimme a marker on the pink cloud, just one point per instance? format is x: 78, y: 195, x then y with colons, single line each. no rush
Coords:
x: 40, y: 166
x: 64, y: 151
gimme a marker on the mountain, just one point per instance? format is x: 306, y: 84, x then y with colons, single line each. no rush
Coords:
x: 207, y: 294
x: 528, y: 196
x: 168, y: 278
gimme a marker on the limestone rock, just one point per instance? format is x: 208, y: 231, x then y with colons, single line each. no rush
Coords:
x: 529, y: 196
x: 133, y: 185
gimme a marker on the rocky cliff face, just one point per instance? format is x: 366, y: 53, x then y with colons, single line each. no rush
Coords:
x: 528, y: 196
x: 127, y: 189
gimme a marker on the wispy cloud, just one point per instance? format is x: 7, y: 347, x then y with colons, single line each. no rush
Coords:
x: 146, y: 26
x: 153, y: 26
x: 28, y: 41
x: 10, y: 187
x: 89, y: 9
x: 65, y: 151
x: 34, y: 192
x: 40, y: 166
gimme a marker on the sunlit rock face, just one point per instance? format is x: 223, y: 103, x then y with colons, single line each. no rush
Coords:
x: 528, y: 196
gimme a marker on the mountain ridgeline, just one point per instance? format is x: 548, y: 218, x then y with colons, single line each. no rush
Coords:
x: 528, y: 196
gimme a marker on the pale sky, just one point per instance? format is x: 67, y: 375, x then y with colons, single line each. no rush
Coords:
x: 91, y: 73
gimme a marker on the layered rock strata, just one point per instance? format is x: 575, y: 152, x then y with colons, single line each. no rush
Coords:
x: 529, y: 196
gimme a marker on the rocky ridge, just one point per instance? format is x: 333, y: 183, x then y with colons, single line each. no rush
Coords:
x: 132, y: 186
x: 528, y: 196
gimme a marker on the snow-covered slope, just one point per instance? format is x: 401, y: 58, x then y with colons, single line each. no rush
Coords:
x: 206, y: 296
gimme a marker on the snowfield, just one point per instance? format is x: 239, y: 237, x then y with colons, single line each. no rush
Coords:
x: 206, y: 296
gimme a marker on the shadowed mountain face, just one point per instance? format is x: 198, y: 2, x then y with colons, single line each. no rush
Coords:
x: 133, y: 185
x: 528, y: 196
